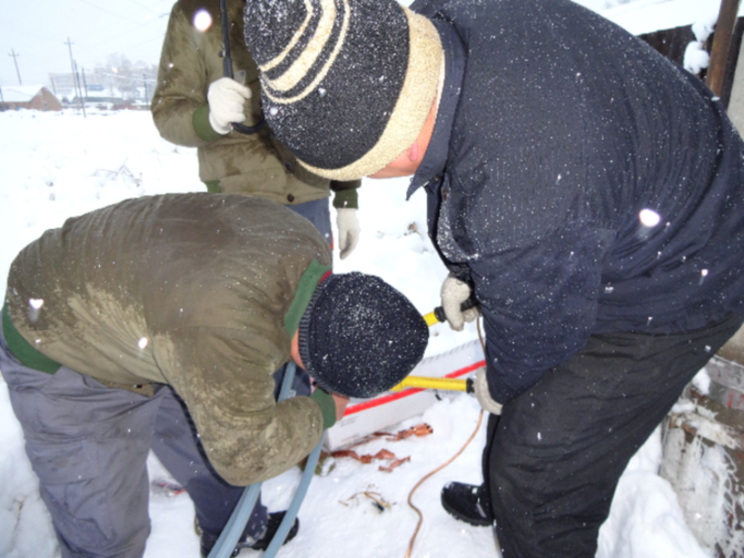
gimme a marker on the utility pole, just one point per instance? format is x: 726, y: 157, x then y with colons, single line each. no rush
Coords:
x: 15, y: 56
x: 75, y: 81
x: 85, y: 84
x: 83, y: 94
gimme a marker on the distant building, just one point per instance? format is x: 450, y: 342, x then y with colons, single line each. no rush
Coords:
x: 34, y: 97
x: 102, y: 103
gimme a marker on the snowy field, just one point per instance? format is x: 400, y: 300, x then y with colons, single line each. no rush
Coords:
x: 57, y: 165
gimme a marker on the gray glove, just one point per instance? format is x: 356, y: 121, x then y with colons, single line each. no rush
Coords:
x: 454, y: 293
x: 480, y: 386
x: 348, y: 230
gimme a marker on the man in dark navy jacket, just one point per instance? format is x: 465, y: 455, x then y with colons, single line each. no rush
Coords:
x: 588, y: 192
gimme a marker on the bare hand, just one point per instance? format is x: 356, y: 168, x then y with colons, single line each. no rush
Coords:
x: 341, y: 402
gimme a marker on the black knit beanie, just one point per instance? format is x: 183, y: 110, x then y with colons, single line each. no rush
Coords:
x: 345, y: 84
x: 359, y: 336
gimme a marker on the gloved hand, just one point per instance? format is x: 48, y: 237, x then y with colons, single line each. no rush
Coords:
x: 454, y: 293
x: 348, y: 230
x: 341, y: 403
x: 329, y: 407
x: 480, y: 386
x: 226, y: 98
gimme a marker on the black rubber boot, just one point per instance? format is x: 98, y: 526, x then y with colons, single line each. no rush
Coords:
x: 467, y: 503
x: 275, y: 519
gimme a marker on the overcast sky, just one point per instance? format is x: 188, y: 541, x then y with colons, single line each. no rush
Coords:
x: 38, y: 30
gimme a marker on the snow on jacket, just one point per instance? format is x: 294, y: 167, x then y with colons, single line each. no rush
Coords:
x: 236, y: 163
x: 583, y: 183
x: 200, y: 291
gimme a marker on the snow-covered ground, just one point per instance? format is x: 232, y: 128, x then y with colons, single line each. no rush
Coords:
x: 56, y: 165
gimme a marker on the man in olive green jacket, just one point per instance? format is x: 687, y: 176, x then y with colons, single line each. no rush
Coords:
x: 129, y: 323
x: 194, y: 105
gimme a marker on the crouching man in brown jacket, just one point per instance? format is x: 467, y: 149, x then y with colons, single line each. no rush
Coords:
x: 157, y: 323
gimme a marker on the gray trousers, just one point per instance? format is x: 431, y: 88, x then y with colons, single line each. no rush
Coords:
x: 88, y: 444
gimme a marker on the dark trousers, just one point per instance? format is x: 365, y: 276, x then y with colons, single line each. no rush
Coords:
x: 319, y: 214
x: 553, y: 459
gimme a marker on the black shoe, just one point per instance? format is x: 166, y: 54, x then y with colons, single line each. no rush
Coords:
x: 275, y: 519
x: 467, y: 503
x: 208, y: 540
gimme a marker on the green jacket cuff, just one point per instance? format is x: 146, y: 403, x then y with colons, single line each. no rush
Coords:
x: 344, y: 196
x: 327, y: 406
x: 213, y: 186
x: 200, y: 121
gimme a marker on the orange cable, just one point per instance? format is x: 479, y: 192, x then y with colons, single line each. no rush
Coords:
x: 427, y: 476
x: 442, y: 466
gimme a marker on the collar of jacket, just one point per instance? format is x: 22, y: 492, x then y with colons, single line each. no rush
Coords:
x: 313, y: 275
x: 432, y: 166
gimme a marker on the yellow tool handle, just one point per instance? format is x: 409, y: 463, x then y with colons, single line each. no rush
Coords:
x: 431, y: 319
x: 438, y: 315
x: 426, y: 382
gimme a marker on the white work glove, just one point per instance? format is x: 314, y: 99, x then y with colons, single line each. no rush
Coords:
x: 226, y: 98
x: 454, y: 293
x: 348, y: 230
x: 480, y: 386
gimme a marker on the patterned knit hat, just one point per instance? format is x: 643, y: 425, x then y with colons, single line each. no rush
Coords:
x: 359, y: 336
x: 346, y: 84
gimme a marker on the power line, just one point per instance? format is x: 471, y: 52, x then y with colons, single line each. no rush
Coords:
x: 139, y: 40
x: 125, y: 33
x: 145, y: 6
x: 106, y: 10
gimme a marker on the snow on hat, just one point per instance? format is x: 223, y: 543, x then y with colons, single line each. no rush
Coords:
x: 346, y: 84
x: 359, y: 336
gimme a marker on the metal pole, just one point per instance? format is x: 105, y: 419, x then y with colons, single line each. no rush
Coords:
x: 722, y: 37
x: 227, y: 69
x: 80, y: 87
x: 85, y: 84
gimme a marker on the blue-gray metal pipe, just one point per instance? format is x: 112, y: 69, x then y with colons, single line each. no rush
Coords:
x: 294, y: 508
x: 234, y: 527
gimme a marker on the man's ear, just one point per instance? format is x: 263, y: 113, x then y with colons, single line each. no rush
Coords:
x: 294, y: 349
x: 415, y: 153
x: 418, y: 148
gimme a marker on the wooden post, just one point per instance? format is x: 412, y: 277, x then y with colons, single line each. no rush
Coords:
x: 721, y: 45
